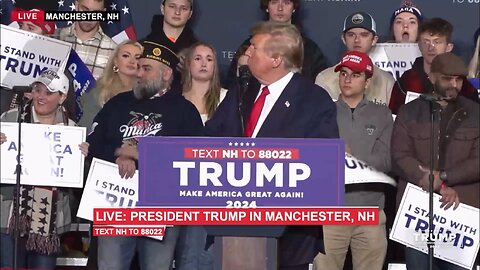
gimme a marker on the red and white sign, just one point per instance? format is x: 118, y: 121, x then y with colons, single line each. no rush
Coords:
x: 27, y: 15
x: 149, y: 231
x: 244, y: 216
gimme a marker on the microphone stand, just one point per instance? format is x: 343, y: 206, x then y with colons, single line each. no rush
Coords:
x: 18, y: 170
x: 431, y: 241
x: 240, y: 110
x: 243, y: 83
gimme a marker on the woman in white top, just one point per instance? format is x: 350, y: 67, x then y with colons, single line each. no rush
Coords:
x: 201, y: 79
x: 201, y: 86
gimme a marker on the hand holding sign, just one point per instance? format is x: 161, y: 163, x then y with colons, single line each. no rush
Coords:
x: 449, y: 198
x: 126, y: 167
x: 437, y: 183
x: 84, y: 148
x: 127, y: 151
x: 3, y: 138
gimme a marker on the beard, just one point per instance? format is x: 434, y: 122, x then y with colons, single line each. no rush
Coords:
x: 448, y: 93
x: 146, y: 90
x: 88, y: 27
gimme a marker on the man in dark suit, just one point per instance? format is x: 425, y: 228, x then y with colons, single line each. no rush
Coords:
x: 280, y: 103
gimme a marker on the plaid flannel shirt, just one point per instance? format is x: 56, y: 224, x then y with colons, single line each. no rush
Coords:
x: 94, y: 52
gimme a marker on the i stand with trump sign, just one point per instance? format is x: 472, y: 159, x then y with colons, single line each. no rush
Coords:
x: 50, y: 155
x: 456, y: 232
x: 24, y: 55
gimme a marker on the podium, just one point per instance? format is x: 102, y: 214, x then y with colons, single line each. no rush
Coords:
x: 240, y: 173
x: 254, y: 246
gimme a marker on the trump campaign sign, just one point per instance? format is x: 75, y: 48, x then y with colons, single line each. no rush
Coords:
x: 395, y: 58
x: 50, y: 155
x: 24, y: 55
x: 456, y: 232
x: 240, y: 172
x: 238, y: 181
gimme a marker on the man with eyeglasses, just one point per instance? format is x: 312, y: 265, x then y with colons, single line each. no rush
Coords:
x: 434, y: 39
x: 359, y: 34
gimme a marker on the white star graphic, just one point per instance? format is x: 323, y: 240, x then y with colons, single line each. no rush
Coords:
x: 230, y: 144
x: 247, y: 144
x: 69, y: 22
x: 236, y: 144
x: 72, y: 7
x: 241, y: 144
x: 109, y: 22
x: 113, y: 6
x: 60, y: 3
x: 125, y: 10
x: 253, y: 144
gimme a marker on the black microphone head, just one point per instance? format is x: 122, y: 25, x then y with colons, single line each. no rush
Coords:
x: 21, y: 89
x: 244, y: 72
x: 432, y: 97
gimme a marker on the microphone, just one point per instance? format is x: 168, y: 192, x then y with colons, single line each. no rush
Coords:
x: 432, y: 97
x: 243, y: 79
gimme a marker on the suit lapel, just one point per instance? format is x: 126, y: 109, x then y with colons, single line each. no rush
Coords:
x: 281, y: 109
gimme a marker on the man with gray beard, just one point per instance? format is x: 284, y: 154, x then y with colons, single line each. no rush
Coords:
x: 151, y: 109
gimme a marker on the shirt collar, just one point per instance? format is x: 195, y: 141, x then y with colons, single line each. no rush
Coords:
x: 160, y: 93
x: 98, y: 35
x: 276, y: 88
x: 58, y: 116
x: 362, y: 103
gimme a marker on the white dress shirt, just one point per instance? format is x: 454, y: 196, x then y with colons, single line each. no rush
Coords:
x: 276, y: 90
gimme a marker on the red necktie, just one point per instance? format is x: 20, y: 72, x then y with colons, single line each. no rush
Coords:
x: 256, y: 111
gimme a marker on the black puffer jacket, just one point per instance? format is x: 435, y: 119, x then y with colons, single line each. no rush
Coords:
x: 314, y: 61
x: 185, y: 40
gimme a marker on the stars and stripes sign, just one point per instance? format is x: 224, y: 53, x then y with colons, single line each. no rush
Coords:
x: 117, y: 30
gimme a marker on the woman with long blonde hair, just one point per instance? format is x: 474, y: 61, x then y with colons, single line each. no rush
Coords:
x: 474, y: 66
x: 118, y: 76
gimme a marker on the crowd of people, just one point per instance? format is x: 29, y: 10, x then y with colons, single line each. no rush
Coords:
x: 172, y: 78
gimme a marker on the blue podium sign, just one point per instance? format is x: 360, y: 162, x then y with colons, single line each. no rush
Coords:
x: 240, y: 172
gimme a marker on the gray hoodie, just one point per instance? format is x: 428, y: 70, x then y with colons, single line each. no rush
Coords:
x: 367, y: 131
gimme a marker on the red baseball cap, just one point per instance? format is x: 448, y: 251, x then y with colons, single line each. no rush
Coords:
x: 47, y: 27
x: 357, y: 62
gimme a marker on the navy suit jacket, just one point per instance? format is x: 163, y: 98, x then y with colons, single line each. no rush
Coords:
x: 303, y: 110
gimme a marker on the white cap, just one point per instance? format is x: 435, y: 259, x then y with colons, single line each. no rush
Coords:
x: 53, y: 81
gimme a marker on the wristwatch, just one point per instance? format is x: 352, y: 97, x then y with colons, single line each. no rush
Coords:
x: 443, y: 176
